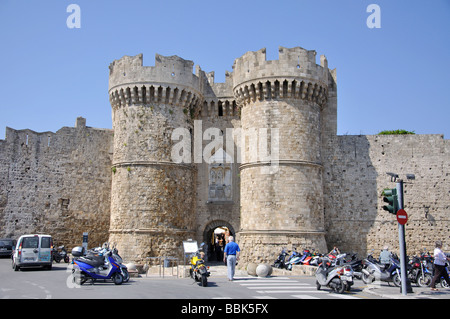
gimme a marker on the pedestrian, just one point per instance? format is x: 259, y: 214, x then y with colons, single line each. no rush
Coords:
x: 440, y: 259
x: 230, y: 256
x: 385, y: 257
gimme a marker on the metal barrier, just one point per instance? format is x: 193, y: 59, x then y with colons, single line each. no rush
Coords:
x: 167, y: 261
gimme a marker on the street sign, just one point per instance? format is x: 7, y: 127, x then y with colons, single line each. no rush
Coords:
x: 402, y: 217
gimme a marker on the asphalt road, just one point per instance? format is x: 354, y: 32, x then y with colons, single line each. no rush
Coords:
x: 57, y: 284
x: 182, y: 297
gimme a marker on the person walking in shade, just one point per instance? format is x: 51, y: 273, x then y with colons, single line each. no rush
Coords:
x: 230, y: 256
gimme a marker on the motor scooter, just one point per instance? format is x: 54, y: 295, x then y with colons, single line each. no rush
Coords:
x: 356, y: 265
x: 373, y: 270
x: 119, y: 261
x: 338, y: 278
x: 306, y: 257
x: 294, y: 259
x: 96, y: 267
x: 280, y: 262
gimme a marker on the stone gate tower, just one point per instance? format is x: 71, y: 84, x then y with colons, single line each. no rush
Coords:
x: 283, y: 207
x: 152, y: 201
x: 288, y: 104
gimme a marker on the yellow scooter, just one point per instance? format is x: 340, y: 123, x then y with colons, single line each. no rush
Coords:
x: 198, y: 271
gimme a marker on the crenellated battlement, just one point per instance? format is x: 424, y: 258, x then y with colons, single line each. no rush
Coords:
x: 294, y: 75
x: 170, y: 81
x: 167, y: 69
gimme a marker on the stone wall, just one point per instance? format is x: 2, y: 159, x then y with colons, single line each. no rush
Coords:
x: 281, y: 194
x: 56, y: 183
x: 124, y: 186
x: 153, y: 195
x: 355, y: 175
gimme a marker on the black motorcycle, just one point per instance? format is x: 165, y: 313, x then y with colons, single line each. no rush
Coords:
x: 418, y: 273
x: 60, y: 254
x: 356, y: 264
x: 281, y: 260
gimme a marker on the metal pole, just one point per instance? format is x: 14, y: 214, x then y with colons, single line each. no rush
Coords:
x: 406, y: 285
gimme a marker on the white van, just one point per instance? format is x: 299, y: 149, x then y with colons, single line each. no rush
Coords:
x: 33, y: 251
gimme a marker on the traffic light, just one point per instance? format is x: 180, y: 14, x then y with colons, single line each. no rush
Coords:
x: 390, y: 197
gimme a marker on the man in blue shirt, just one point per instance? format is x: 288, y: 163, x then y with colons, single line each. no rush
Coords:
x: 231, y: 254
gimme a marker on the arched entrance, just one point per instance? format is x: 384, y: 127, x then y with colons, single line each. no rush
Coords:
x: 215, y: 236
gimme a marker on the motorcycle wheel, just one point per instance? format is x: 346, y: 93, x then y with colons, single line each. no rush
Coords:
x: 78, y: 278
x: 66, y: 259
x: 126, y: 275
x: 118, y: 279
x: 340, y: 286
x: 204, y: 280
x: 367, y: 279
x: 317, y: 285
x: 424, y: 280
x: 444, y: 283
x: 397, y: 280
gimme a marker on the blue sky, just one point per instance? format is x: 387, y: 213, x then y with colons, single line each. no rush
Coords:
x: 393, y: 77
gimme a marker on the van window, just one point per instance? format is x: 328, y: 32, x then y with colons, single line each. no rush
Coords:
x: 30, y: 242
x: 45, y: 242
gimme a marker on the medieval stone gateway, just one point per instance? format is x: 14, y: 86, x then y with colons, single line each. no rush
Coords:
x: 258, y: 154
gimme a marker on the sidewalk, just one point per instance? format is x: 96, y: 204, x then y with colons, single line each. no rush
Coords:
x: 385, y: 291
x: 380, y: 289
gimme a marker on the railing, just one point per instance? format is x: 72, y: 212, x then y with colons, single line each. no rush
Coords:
x: 167, y: 261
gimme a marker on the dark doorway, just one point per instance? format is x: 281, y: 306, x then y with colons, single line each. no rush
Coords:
x: 215, y: 238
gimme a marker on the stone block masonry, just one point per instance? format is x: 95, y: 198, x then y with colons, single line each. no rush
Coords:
x: 56, y: 183
x: 122, y: 185
x: 355, y: 170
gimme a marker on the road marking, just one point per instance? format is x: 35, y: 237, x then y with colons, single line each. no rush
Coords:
x: 262, y: 278
x: 290, y: 291
x: 304, y: 297
x: 275, y: 284
x: 264, y: 297
x: 281, y: 287
x: 345, y: 296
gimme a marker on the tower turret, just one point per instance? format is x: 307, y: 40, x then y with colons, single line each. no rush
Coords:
x: 153, y: 197
x: 281, y: 199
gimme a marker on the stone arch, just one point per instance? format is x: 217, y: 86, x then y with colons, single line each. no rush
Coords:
x: 208, y: 235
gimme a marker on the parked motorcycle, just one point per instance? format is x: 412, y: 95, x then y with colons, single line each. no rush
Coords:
x: 356, y: 265
x: 115, y: 255
x: 95, y: 267
x: 418, y: 272
x: 316, y: 258
x: 374, y: 270
x: 198, y: 271
x: 119, y: 261
x: 60, y: 253
x: 338, y: 278
x: 294, y: 259
x: 306, y: 257
x: 280, y: 262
